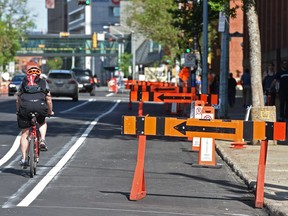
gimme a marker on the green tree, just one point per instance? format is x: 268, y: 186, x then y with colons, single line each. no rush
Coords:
x: 125, y: 63
x: 152, y: 19
x: 15, y: 20
x: 174, y: 27
x: 55, y: 63
x: 164, y: 22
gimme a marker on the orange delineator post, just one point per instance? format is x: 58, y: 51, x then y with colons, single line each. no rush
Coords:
x: 138, y: 189
x: 259, y: 197
x: 207, y: 151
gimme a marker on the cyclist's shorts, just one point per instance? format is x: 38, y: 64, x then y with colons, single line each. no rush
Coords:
x: 24, y: 122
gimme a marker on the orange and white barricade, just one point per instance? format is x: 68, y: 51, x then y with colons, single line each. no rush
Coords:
x: 196, y: 112
x: 207, y: 151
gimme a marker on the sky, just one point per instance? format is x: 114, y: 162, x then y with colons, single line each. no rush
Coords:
x: 38, y: 7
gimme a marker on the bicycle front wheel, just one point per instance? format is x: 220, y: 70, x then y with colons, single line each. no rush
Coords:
x: 32, y: 163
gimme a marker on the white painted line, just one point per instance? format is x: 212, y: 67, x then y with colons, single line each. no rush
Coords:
x: 12, y: 150
x: 73, y: 108
x: 110, y: 94
x: 53, y: 172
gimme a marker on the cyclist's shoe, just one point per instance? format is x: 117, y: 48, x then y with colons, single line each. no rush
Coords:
x: 43, y: 145
x: 23, y: 164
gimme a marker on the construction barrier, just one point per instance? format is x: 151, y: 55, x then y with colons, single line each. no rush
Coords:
x: 197, y: 114
x: 112, y: 85
x: 172, y: 97
x: 209, y: 128
x: 207, y: 151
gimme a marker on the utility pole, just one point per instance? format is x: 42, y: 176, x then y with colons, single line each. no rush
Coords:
x: 204, y: 81
x: 224, y: 67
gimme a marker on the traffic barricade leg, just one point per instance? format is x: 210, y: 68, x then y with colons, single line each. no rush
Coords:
x: 259, y: 198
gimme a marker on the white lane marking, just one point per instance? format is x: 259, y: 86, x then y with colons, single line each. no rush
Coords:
x: 73, y: 108
x: 110, y: 94
x: 11, y: 151
x: 11, y: 202
x: 52, y: 173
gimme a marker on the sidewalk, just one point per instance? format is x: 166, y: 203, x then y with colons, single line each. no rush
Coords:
x: 245, y: 163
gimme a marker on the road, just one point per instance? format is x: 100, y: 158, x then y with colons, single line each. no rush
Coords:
x: 89, y: 167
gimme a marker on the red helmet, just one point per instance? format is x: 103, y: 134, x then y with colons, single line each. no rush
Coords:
x: 33, y: 68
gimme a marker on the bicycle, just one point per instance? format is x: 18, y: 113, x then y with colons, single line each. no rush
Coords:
x: 33, y: 150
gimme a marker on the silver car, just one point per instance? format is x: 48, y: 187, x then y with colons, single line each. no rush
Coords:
x: 63, y: 83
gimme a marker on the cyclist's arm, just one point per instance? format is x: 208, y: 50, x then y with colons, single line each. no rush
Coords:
x: 49, y: 103
x: 18, y: 103
x: 18, y: 99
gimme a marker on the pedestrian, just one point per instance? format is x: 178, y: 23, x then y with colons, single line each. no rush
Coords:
x: 231, y: 90
x: 214, y: 88
x: 269, y: 93
x: 246, y: 84
x: 282, y: 77
x: 198, y: 84
x: 184, y: 75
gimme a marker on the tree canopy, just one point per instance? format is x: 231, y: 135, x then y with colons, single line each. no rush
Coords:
x: 175, y: 24
x: 15, y: 20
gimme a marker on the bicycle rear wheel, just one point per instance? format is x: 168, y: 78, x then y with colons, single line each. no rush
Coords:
x: 32, y: 162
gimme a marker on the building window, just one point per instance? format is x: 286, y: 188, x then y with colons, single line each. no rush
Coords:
x: 115, y: 11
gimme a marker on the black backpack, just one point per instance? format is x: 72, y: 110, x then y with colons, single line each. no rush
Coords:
x: 33, y: 96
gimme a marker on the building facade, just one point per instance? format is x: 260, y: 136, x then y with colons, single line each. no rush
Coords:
x: 57, y: 17
x: 273, y: 20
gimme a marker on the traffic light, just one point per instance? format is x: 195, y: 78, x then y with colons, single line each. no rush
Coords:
x: 94, y: 40
x: 187, y: 50
x: 64, y: 34
x: 84, y: 2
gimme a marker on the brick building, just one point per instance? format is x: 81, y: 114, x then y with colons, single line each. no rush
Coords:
x: 236, y: 42
x: 273, y: 21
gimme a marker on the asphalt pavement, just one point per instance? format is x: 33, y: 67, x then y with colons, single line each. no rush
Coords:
x: 245, y: 161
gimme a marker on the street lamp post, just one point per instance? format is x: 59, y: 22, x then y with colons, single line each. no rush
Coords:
x: 133, y: 50
x: 133, y: 46
x: 120, y: 45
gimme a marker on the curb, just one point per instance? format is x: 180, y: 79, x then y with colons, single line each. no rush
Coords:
x: 268, y: 205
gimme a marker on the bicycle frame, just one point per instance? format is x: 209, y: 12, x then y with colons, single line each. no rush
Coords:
x: 33, y: 147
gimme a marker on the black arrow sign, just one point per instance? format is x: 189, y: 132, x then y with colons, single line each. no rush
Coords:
x: 183, y: 128
x: 163, y: 97
x: 164, y: 89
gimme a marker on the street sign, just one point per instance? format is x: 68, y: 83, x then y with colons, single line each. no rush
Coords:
x: 221, y: 24
x: 190, y: 60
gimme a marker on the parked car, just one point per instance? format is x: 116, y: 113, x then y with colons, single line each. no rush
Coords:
x: 85, y: 80
x: 15, y: 83
x: 63, y: 83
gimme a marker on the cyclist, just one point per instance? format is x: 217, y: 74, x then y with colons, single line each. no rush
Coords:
x: 33, y: 96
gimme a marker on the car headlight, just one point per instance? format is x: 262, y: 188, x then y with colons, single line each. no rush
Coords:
x: 12, y: 85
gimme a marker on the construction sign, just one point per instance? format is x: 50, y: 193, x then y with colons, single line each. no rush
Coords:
x: 217, y: 128
x: 172, y: 97
x: 155, y: 88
